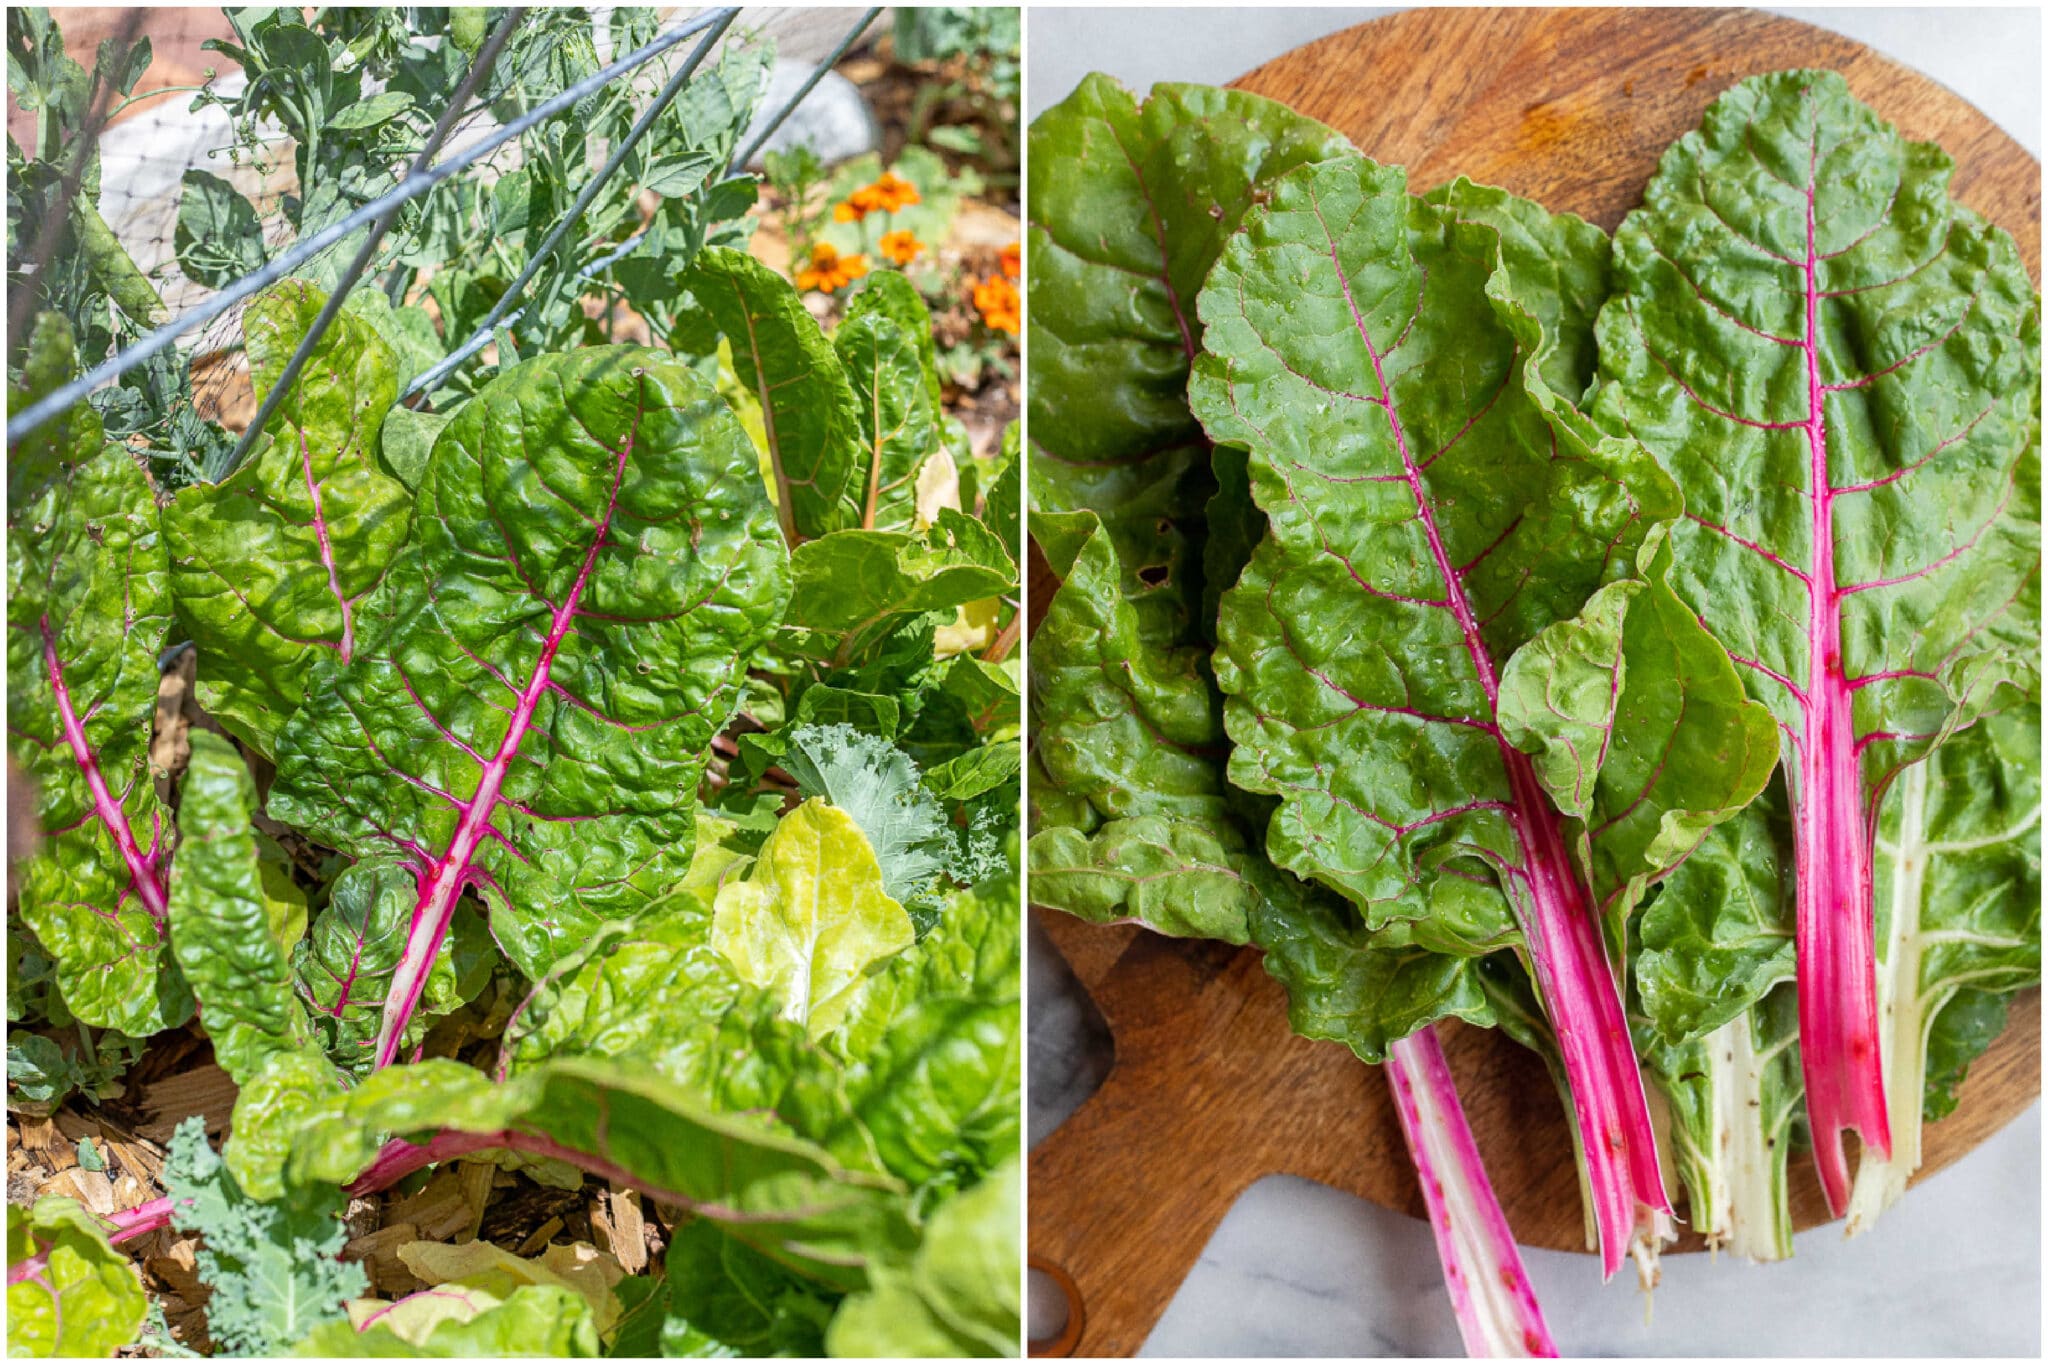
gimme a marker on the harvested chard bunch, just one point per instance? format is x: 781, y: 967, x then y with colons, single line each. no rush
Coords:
x: 1134, y: 509
x: 1840, y: 369
x: 1456, y: 570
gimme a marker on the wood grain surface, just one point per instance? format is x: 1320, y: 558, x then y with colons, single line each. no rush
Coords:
x: 1209, y: 1090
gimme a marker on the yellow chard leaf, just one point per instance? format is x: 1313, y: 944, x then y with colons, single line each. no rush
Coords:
x: 812, y: 919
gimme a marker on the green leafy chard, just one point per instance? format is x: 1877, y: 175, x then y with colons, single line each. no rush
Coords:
x: 788, y: 365
x: 538, y: 678
x: 1131, y: 203
x: 811, y: 918
x: 1457, y: 564
x: 270, y: 567
x: 1840, y: 368
x: 1958, y: 864
x: 69, y: 1293
x: 783, y: 1196
x: 87, y: 613
x: 232, y: 932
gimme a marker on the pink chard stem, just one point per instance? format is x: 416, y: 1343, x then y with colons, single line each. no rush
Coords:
x: 1498, y: 1315
x: 1583, y: 999
x: 1833, y: 928
x: 443, y: 883
x: 1580, y: 992
x: 143, y: 874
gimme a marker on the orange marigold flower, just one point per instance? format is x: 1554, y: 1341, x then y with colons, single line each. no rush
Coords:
x: 886, y: 195
x: 829, y: 271
x: 893, y: 192
x: 901, y: 246
x: 1013, y: 259
x: 1000, y: 307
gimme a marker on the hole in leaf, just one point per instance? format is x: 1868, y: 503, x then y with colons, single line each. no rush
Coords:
x: 1154, y: 575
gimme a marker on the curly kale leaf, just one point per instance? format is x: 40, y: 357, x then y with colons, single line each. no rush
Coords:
x: 274, y: 1267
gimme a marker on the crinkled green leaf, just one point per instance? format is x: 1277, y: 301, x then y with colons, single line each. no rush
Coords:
x: 1642, y: 731
x: 1363, y: 647
x: 1383, y: 361
x: 725, y: 1299
x: 272, y: 566
x: 1840, y: 367
x: 87, y: 614
x: 812, y: 918
x: 959, y: 1295
x: 889, y: 293
x: 546, y: 1321
x: 785, y: 361
x: 536, y: 684
x: 268, y: 1105
x: 664, y: 996
x: 884, y: 346
x: 1718, y: 935
x: 977, y: 771
x: 1958, y: 917
x: 274, y: 1265
x: 930, y: 1052
x: 855, y: 580
x: 344, y: 966
x: 1131, y: 204
x: 1347, y: 984
x: 1177, y: 876
x: 1132, y: 726
x: 781, y: 1195
x: 228, y: 934
x: 81, y: 1297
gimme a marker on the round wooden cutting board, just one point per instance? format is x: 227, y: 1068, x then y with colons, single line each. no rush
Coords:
x: 1209, y: 1090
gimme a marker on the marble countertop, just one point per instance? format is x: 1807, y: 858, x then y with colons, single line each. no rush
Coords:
x: 1298, y: 1268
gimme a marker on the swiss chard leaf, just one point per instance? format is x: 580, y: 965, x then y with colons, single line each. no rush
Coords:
x: 76, y: 1295
x: 784, y: 360
x: 958, y: 1294
x: 345, y: 966
x: 232, y: 934
x: 885, y: 347
x: 780, y: 1195
x: 811, y: 919
x: 1958, y: 863
x: 723, y: 1298
x: 270, y: 568
x: 1432, y: 509
x: 87, y: 612
x: 1840, y: 367
x: 1131, y: 203
x: 537, y: 682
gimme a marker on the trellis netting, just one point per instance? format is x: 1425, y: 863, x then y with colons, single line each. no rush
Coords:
x: 597, y: 153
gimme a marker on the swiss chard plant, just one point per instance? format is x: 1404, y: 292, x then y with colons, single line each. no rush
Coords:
x: 542, y: 814
x: 1133, y: 818
x: 1840, y: 369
